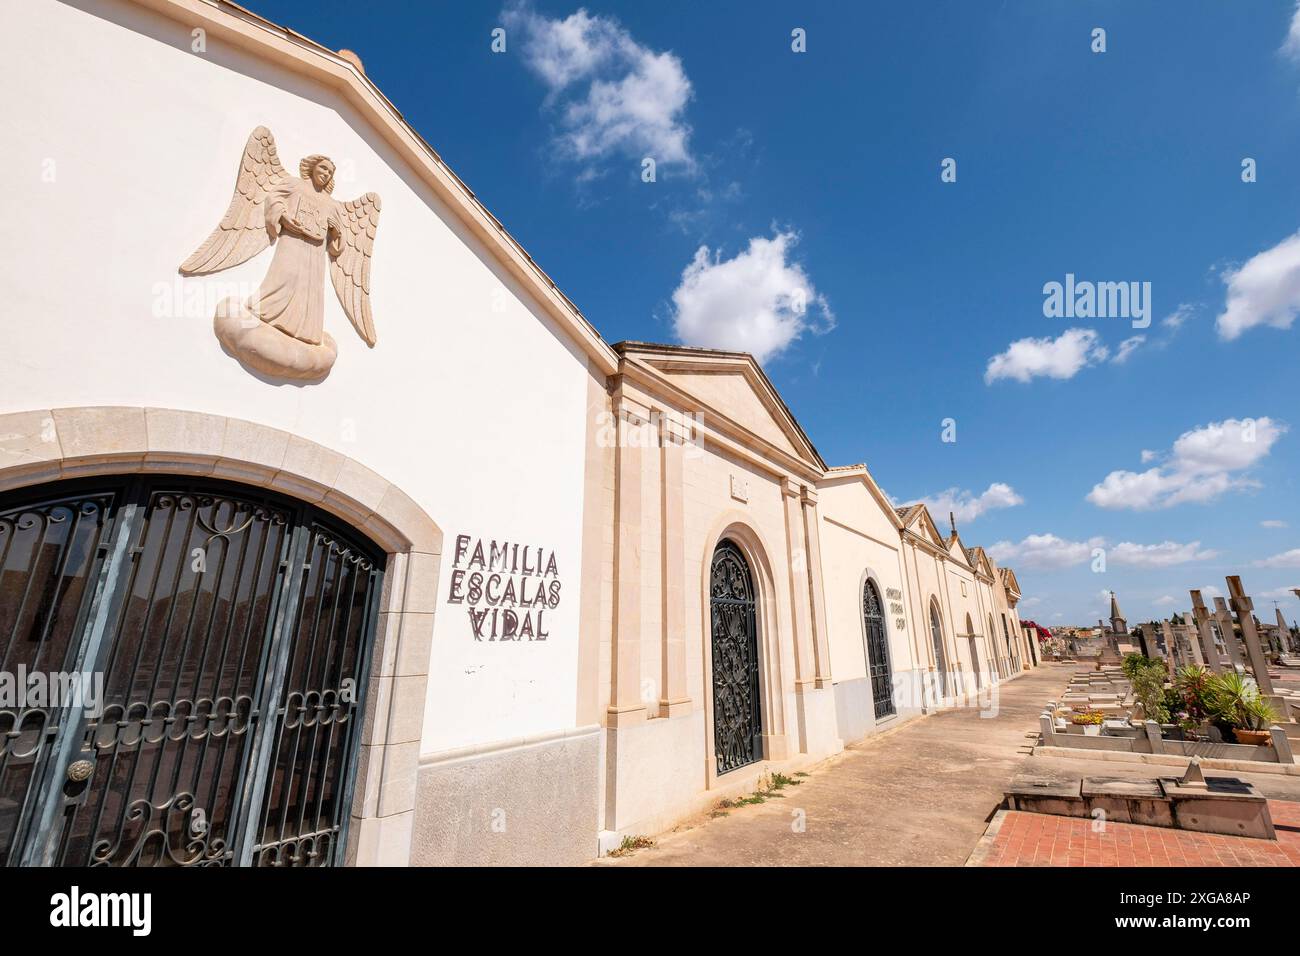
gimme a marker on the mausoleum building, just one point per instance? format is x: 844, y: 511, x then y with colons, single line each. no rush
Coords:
x: 378, y: 552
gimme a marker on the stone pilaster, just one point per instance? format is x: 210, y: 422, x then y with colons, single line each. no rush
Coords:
x: 800, y: 611
x: 817, y: 603
x: 673, y: 698
x: 626, y: 705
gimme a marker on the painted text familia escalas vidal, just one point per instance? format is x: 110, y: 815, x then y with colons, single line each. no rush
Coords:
x: 508, y: 588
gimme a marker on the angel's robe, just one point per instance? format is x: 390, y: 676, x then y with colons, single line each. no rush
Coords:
x: 292, y: 296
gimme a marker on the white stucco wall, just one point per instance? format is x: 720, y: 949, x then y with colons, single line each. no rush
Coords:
x: 858, y: 539
x: 472, y: 402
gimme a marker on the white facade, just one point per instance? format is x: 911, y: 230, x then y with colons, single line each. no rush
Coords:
x: 141, y: 170
x: 470, y: 435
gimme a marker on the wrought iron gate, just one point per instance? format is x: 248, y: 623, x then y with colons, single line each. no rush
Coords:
x: 940, y: 661
x: 733, y: 616
x: 231, y: 630
x: 882, y: 684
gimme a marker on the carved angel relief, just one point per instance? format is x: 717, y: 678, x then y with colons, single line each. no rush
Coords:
x: 280, y: 331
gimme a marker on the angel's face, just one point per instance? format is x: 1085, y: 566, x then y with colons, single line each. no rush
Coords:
x: 322, y: 173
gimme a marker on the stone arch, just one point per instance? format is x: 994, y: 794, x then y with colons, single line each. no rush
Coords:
x: 973, y: 641
x: 938, y: 647
x: 995, y: 649
x: 47, y: 445
x: 751, y: 544
x: 871, y: 579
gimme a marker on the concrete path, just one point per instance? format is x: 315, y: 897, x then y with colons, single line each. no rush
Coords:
x: 920, y: 795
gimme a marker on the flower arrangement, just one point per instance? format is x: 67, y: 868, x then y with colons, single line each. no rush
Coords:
x: 1088, y: 718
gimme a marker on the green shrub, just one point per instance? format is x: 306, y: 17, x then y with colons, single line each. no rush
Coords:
x: 1239, y: 704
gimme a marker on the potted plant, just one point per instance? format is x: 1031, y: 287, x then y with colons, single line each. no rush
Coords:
x: 1090, y: 721
x: 1238, y: 708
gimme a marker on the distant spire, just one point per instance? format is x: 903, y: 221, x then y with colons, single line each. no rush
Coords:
x: 1118, y: 623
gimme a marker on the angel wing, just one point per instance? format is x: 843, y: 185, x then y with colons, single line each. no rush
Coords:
x: 242, y: 233
x: 350, y: 269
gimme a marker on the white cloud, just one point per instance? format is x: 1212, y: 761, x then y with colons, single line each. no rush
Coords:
x: 1175, y: 320
x: 611, y: 94
x: 1265, y: 291
x: 1210, y: 592
x: 1272, y: 523
x: 1165, y: 601
x: 1280, y: 594
x: 1287, y: 559
x: 1049, y: 552
x: 1126, y: 348
x: 1061, y: 357
x: 1160, y: 555
x: 1044, y: 552
x: 1291, y: 45
x: 1204, y: 463
x: 757, y: 302
x: 966, y: 506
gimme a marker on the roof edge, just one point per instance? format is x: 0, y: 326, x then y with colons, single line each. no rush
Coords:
x: 290, y: 50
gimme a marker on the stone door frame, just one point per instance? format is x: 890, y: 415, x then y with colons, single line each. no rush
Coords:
x: 46, y: 445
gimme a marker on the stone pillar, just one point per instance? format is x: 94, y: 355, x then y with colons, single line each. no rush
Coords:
x: 1149, y: 635
x: 1189, y: 635
x: 1244, y: 608
x: 821, y: 640
x: 1047, y: 724
x: 626, y: 705
x: 1281, y: 744
x: 673, y: 698
x: 1202, y: 616
x: 1224, y: 620
x: 1154, y: 740
x: 1171, y: 644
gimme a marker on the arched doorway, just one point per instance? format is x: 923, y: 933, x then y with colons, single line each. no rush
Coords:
x: 940, y: 658
x: 733, y: 613
x: 877, y: 645
x: 999, y: 658
x: 1012, y: 647
x: 974, y: 651
x: 233, y: 630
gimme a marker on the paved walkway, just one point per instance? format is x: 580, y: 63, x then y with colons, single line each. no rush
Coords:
x: 921, y: 795
x: 1036, y: 839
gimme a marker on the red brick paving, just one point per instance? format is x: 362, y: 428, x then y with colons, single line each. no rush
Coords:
x: 1039, y: 839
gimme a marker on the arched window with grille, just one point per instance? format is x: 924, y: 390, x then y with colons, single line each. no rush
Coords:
x: 877, y: 646
x: 940, y: 658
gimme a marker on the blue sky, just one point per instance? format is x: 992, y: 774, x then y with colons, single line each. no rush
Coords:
x: 819, y: 172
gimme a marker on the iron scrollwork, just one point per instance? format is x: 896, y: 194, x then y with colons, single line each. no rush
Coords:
x: 873, y: 618
x: 737, y: 721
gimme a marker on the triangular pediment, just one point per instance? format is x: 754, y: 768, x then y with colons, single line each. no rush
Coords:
x: 958, y: 550
x: 731, y: 385
x: 917, y: 519
x: 981, y: 562
x: 1009, y: 581
x: 862, y: 477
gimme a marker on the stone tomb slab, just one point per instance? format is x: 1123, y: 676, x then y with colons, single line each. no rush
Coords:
x: 1035, y: 794
x: 1221, y: 805
x: 1127, y: 800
